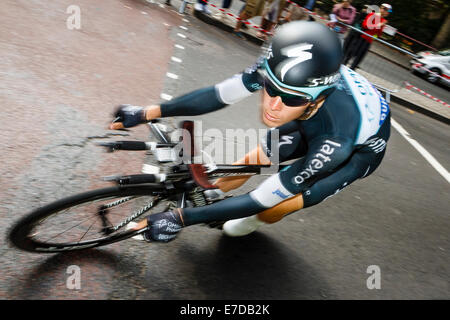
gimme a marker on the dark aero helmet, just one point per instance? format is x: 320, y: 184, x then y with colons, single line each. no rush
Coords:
x: 304, y: 59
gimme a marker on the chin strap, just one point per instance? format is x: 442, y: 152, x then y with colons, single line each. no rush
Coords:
x: 312, y: 109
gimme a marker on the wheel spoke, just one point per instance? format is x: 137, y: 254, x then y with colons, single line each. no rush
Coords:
x: 68, y: 229
x: 86, y: 232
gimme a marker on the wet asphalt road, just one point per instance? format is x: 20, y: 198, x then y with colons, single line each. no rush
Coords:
x: 397, y: 219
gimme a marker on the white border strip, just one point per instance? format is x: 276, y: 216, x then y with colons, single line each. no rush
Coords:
x: 165, y: 96
x: 171, y: 75
x: 436, y: 165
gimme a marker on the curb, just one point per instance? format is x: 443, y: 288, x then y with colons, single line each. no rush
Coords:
x: 394, y: 98
x: 418, y: 108
x: 391, y: 61
x: 210, y: 20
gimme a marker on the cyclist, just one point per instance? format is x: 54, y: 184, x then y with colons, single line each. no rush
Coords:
x: 329, y: 118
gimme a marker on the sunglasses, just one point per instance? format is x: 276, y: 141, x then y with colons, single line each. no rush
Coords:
x: 289, y: 100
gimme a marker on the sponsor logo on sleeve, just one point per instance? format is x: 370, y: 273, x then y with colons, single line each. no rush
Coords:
x: 376, y: 144
x: 318, y: 161
x: 286, y: 140
x: 280, y: 194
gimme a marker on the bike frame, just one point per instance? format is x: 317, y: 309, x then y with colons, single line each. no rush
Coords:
x: 186, y: 177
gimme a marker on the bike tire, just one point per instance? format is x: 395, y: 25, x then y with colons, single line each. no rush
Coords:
x: 21, y: 233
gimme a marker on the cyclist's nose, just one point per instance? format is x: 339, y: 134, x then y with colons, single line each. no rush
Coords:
x: 275, y: 103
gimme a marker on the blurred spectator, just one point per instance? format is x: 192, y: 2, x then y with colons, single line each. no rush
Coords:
x: 373, y: 25
x: 352, y: 39
x: 310, y: 4
x: 221, y: 15
x: 294, y: 12
x: 342, y: 12
x: 202, y: 6
x: 271, y: 16
x: 253, y: 8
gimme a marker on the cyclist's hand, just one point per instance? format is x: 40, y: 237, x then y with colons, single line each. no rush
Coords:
x: 127, y: 116
x: 163, y: 226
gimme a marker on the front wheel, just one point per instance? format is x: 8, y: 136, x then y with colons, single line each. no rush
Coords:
x: 87, y: 220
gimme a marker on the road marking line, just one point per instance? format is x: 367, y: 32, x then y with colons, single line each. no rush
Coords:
x: 128, y: 7
x: 185, y: 20
x: 166, y: 24
x: 183, y: 27
x: 171, y: 75
x: 181, y: 35
x: 179, y: 47
x: 143, y: 12
x: 176, y: 59
x: 436, y: 165
x: 166, y: 96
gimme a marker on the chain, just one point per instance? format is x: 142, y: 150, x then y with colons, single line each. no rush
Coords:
x: 136, y: 214
x: 198, y: 198
x: 116, y: 203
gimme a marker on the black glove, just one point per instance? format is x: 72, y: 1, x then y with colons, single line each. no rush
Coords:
x: 129, y: 115
x: 163, y: 226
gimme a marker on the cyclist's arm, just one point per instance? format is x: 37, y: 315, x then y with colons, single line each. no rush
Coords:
x: 212, y: 98
x: 197, y: 102
x: 324, y: 156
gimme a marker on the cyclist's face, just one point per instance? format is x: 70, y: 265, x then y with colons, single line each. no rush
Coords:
x: 275, y: 113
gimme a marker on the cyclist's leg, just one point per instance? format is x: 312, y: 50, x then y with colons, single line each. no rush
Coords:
x: 360, y: 54
x: 256, y: 156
